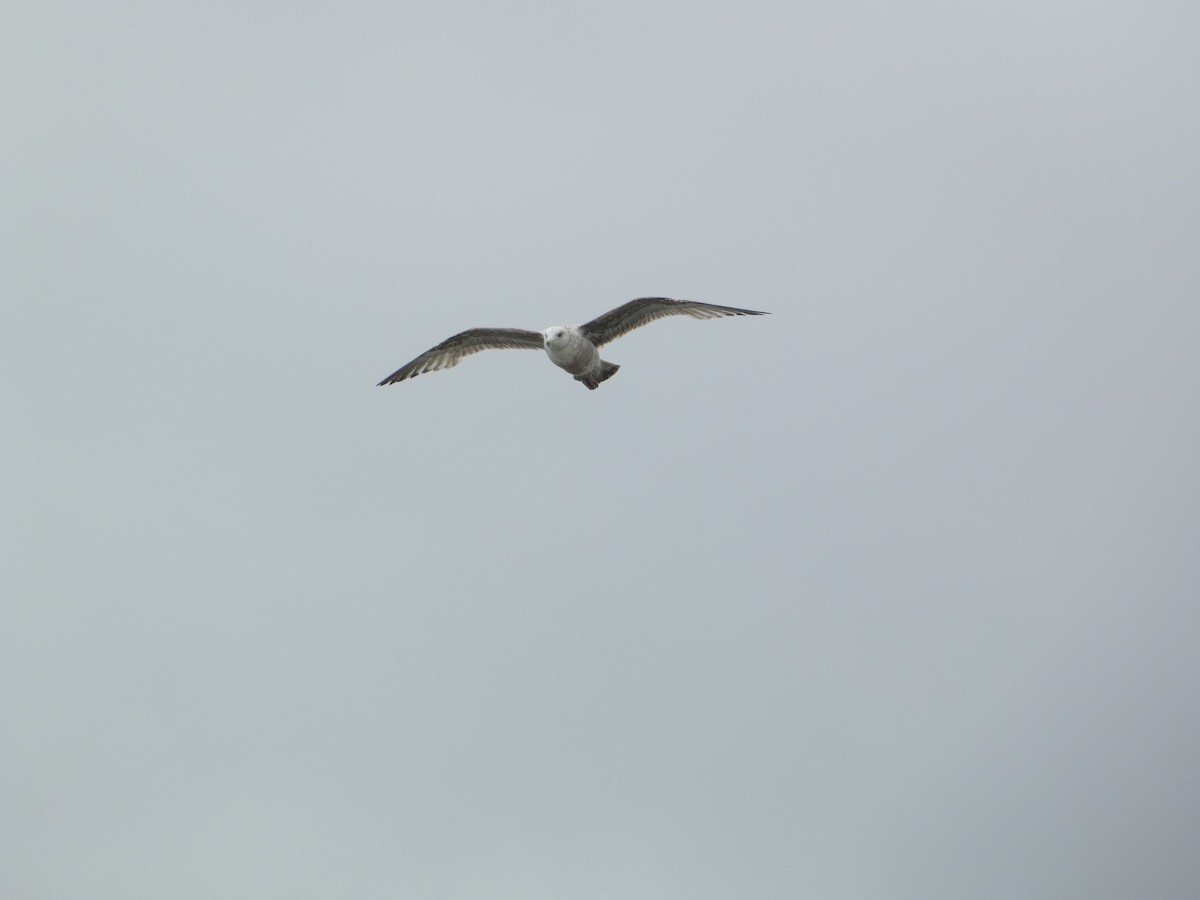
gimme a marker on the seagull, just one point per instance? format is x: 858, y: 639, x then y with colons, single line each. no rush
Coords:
x: 574, y: 348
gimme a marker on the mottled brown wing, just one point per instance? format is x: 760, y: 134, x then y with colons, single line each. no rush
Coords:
x: 644, y: 310
x: 450, y: 351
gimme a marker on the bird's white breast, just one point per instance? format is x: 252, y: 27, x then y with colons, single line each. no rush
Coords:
x: 569, y: 349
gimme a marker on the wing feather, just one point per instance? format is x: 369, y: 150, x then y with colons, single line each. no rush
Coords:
x: 644, y: 310
x: 449, y: 352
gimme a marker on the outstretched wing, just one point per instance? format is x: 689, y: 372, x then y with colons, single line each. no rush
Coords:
x: 473, y: 340
x: 644, y: 310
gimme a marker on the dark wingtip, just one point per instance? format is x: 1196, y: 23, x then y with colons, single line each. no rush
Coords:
x: 741, y: 311
x: 392, y: 379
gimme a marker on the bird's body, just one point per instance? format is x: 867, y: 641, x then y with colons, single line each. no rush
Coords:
x: 569, y: 349
x: 573, y: 348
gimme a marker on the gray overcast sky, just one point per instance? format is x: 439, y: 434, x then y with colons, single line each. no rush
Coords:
x: 890, y: 595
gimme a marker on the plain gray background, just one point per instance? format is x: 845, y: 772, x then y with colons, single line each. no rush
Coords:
x: 890, y: 595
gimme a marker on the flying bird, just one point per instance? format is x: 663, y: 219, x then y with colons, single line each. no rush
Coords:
x: 574, y: 348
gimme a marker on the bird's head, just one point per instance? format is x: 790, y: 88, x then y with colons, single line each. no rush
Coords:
x: 554, y: 335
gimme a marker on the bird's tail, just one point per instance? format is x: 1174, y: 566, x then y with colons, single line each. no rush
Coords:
x: 607, y: 371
